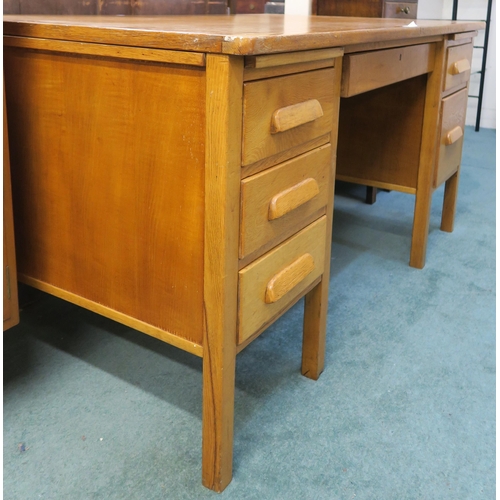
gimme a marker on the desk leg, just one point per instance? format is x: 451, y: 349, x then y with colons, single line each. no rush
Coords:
x: 218, y: 414
x: 371, y: 195
x: 420, y: 232
x: 450, y: 203
x: 224, y: 84
x: 316, y: 308
x: 314, y: 342
x: 316, y: 301
x: 428, y: 148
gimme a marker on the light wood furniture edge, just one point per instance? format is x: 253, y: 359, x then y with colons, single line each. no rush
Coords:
x: 175, y: 33
x: 316, y: 301
x: 103, y: 50
x: 222, y: 202
x: 10, y: 299
x: 430, y: 134
x: 141, y: 326
x: 429, y: 157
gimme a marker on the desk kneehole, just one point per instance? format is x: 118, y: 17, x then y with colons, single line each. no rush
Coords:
x: 272, y: 283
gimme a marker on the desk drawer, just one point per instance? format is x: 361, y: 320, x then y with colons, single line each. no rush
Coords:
x: 279, y: 201
x: 453, y: 113
x: 371, y: 70
x: 458, y: 64
x: 283, y: 112
x: 403, y: 10
x: 272, y: 283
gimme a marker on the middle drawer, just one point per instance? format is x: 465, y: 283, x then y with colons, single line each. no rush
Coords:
x: 278, y: 202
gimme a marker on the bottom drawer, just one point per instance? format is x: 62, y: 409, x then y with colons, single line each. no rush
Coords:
x: 453, y: 110
x: 270, y: 284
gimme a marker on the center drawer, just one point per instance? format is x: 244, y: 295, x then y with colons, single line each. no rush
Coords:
x: 365, y: 71
x: 284, y: 112
x: 271, y: 284
x: 279, y: 201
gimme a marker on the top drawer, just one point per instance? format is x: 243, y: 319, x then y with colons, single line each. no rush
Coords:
x: 458, y: 63
x: 280, y: 113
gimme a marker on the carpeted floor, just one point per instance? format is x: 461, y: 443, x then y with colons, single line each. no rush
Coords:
x: 405, y: 408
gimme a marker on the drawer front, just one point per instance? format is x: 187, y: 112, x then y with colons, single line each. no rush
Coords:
x: 458, y: 64
x: 403, y: 10
x: 279, y: 201
x: 453, y: 112
x: 280, y: 113
x: 371, y: 70
x: 275, y: 281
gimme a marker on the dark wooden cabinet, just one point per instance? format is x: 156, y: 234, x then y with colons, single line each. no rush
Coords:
x: 73, y: 7
x: 248, y: 6
x: 367, y: 8
x: 115, y: 7
x: 133, y: 7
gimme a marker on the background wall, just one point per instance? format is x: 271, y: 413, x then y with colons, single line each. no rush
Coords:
x: 472, y: 9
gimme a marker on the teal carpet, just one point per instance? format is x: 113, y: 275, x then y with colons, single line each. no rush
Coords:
x: 405, y: 408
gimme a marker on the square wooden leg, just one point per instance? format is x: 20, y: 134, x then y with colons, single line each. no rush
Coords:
x: 218, y: 416
x: 371, y: 195
x: 314, y: 341
x: 420, y: 227
x: 222, y: 202
x: 449, y: 203
x: 428, y: 147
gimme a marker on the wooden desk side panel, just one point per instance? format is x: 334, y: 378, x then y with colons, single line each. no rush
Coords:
x: 379, y: 135
x: 10, y: 296
x: 108, y: 179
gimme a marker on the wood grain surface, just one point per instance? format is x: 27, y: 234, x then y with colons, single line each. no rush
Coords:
x: 247, y: 34
x: 222, y: 197
x: 453, y: 112
x: 374, y: 69
x: 261, y: 100
x: 379, y: 135
x: 107, y: 208
x: 259, y: 191
x: 254, y: 279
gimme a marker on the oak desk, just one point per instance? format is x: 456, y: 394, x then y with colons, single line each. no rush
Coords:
x: 176, y: 174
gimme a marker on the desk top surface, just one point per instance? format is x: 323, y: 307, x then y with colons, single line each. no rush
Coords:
x: 238, y: 34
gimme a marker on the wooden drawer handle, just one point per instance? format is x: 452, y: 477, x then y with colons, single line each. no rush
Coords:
x: 293, y: 197
x: 460, y: 67
x: 297, y: 114
x: 289, y: 277
x: 453, y: 135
